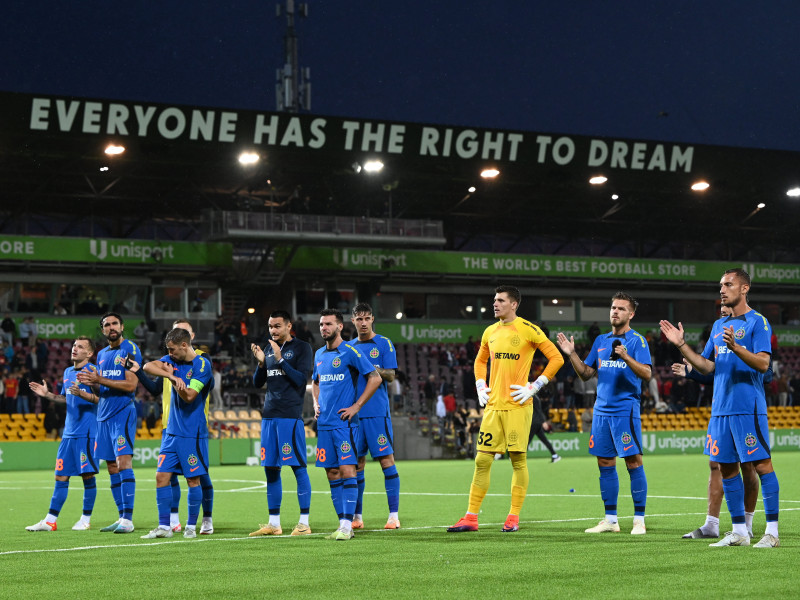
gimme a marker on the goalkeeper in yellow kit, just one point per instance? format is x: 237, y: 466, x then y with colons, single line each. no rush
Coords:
x: 510, y: 343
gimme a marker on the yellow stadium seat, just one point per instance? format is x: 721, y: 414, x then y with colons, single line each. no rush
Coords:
x: 254, y: 414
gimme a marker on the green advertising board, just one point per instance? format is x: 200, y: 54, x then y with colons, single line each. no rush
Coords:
x: 658, y: 442
x: 531, y: 265
x: 19, y: 456
x: 86, y: 250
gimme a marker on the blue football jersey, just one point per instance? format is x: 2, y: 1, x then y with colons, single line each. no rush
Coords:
x: 81, y: 414
x: 738, y: 389
x: 336, y: 372
x: 380, y: 352
x: 111, y: 365
x: 619, y: 390
x: 190, y: 419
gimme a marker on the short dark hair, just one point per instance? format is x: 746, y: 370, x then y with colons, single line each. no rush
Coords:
x: 111, y: 314
x: 178, y: 336
x: 281, y: 314
x: 740, y: 273
x: 513, y: 292
x: 362, y: 308
x: 328, y: 312
x: 177, y: 321
x: 627, y: 297
x: 88, y: 340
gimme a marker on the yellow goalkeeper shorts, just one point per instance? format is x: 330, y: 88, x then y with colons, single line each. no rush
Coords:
x: 503, y: 430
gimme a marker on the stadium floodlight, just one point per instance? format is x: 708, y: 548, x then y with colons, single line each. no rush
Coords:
x: 555, y: 300
x: 700, y: 186
x: 398, y: 316
x: 794, y: 192
x: 490, y: 173
x: 248, y: 158
x: 471, y: 189
x: 598, y: 179
x: 483, y: 309
x: 760, y: 205
x: 251, y: 310
x: 468, y: 308
x: 373, y: 166
x: 615, y: 196
x: 113, y: 149
x: 103, y: 169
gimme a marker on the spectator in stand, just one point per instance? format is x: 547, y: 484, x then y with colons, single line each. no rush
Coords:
x: 431, y: 390
x: 666, y: 390
x: 12, y: 390
x: 216, y: 392
x: 586, y: 420
x: 593, y: 332
x: 794, y: 385
x: 59, y: 310
x: 449, y: 406
x: 578, y: 389
x: 8, y: 330
x: 42, y: 355
x: 590, y: 391
x: 140, y: 334
x: 23, y: 406
x: 773, y: 342
x: 28, y: 331
x: 783, y: 389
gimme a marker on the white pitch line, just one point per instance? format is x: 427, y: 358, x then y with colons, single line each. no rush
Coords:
x: 387, y: 532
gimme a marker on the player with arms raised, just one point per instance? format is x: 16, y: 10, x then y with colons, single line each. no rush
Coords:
x: 511, y: 344
x: 738, y: 353
x: 622, y: 361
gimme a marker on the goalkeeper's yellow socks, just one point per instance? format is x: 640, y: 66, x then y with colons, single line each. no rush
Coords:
x: 519, y: 481
x: 480, y: 482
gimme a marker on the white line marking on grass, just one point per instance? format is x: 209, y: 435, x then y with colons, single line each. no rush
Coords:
x: 316, y: 535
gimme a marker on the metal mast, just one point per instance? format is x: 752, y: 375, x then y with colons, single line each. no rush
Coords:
x: 293, y: 85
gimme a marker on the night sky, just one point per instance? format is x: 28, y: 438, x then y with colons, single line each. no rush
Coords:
x: 713, y: 72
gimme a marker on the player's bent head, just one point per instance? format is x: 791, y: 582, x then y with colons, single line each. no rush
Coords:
x: 111, y: 314
x: 178, y: 336
x: 362, y: 308
x: 332, y: 312
x: 742, y: 275
x: 634, y: 303
x: 511, y: 291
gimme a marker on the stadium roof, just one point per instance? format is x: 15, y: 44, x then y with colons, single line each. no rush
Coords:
x: 181, y: 160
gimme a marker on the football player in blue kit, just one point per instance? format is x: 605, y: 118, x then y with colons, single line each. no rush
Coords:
x: 622, y: 361
x: 184, y: 446
x: 116, y: 415
x: 337, y: 368
x: 375, y: 419
x: 74, y: 455
x: 163, y: 387
x: 284, y: 364
x: 738, y: 354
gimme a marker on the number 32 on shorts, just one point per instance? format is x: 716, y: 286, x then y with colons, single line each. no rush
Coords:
x: 485, y: 439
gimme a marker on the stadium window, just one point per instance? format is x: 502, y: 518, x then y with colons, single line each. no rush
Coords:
x: 35, y: 297
x: 341, y: 300
x: 387, y: 305
x: 563, y: 310
x: 169, y: 301
x: 203, y: 301
x: 451, y: 306
x: 310, y: 301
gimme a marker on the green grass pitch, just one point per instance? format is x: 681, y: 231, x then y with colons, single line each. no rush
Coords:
x: 550, y: 557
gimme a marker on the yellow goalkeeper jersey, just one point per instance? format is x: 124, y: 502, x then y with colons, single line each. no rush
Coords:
x: 511, y: 347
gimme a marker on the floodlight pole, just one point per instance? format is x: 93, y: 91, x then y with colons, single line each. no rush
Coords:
x: 292, y: 85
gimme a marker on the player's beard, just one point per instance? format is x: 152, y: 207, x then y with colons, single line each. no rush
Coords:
x: 113, y: 336
x: 331, y: 337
